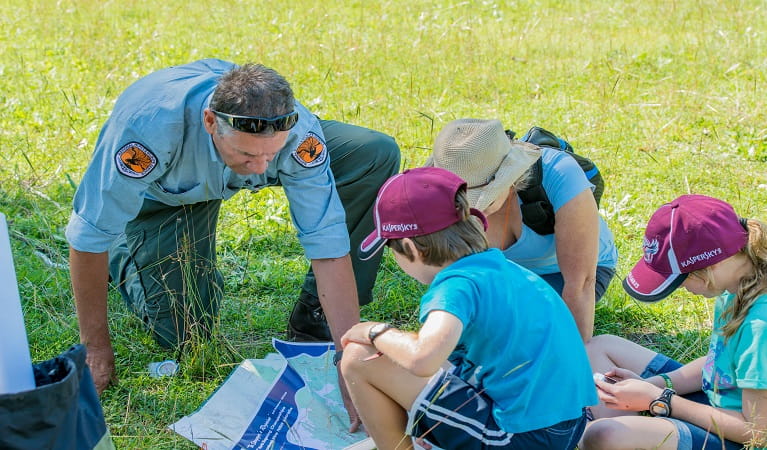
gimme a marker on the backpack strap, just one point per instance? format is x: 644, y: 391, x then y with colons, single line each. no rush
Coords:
x: 537, y: 210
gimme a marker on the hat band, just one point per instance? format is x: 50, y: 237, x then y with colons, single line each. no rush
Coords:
x: 479, y: 215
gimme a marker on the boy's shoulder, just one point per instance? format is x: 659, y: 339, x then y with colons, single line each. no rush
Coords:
x: 490, y: 267
x: 491, y: 258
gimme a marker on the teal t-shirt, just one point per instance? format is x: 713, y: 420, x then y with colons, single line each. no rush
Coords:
x: 519, y: 341
x: 739, y: 362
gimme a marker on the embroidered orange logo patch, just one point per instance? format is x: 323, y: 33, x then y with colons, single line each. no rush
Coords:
x: 311, y: 152
x: 135, y: 161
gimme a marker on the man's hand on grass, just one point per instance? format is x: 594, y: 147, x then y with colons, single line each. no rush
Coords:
x: 101, y: 361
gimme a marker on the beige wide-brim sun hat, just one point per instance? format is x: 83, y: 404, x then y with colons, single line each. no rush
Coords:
x: 480, y: 152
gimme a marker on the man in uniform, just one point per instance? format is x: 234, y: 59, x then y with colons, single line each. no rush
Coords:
x: 178, y: 142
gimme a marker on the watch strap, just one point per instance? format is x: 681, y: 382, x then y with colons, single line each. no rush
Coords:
x: 377, y: 330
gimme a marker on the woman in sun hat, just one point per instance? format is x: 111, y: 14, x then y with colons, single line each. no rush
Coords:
x: 579, y: 258
x: 718, y: 401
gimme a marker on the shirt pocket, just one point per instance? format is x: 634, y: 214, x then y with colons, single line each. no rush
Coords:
x: 184, y: 195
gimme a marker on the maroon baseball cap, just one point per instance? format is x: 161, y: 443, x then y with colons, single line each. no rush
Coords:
x: 414, y: 203
x: 690, y: 233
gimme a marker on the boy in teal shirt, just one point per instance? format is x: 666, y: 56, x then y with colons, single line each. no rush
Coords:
x: 480, y: 372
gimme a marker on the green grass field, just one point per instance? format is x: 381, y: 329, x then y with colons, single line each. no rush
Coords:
x: 668, y: 97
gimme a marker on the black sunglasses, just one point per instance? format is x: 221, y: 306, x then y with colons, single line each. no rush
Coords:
x: 258, y: 125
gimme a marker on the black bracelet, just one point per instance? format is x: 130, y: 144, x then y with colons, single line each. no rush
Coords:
x: 337, y: 357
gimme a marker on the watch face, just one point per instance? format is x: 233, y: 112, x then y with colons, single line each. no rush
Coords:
x: 659, y: 408
x: 375, y: 331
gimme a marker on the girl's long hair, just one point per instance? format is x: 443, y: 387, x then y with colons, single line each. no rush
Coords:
x: 750, y: 287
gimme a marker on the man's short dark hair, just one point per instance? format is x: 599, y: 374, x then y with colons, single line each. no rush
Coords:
x: 253, y: 90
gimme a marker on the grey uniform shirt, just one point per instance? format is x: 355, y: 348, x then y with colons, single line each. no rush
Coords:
x: 154, y: 146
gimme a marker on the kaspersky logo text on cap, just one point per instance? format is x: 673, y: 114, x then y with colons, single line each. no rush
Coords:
x: 389, y: 227
x: 705, y: 256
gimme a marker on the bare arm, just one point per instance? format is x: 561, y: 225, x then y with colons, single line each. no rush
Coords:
x: 755, y: 412
x: 337, y: 292
x: 685, y: 379
x: 421, y: 353
x: 90, y: 275
x: 577, y: 238
x: 737, y: 426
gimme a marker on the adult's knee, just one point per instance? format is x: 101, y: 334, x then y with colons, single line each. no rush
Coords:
x: 168, y: 333
x: 172, y: 333
x: 173, y: 320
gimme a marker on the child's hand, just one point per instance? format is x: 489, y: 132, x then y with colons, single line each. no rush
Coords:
x: 629, y: 394
x: 358, y: 333
x: 622, y: 374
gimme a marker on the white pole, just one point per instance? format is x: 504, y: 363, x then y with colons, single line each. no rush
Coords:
x: 16, y: 373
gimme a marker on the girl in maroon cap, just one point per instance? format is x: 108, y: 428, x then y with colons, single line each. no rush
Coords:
x: 718, y: 401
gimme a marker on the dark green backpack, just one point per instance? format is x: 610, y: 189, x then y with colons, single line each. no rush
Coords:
x: 537, y: 211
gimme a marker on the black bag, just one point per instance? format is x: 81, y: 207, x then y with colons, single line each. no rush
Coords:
x: 62, y: 413
x: 537, y: 211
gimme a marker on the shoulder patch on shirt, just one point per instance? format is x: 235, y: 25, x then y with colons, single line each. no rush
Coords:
x: 134, y: 160
x: 311, y: 152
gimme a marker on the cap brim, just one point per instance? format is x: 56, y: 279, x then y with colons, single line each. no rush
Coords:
x: 647, y: 285
x: 371, y: 245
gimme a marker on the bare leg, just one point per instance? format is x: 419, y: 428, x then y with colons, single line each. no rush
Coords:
x: 607, y: 352
x: 630, y: 433
x: 382, y: 392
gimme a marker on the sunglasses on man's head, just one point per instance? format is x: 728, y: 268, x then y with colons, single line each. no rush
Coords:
x: 258, y: 125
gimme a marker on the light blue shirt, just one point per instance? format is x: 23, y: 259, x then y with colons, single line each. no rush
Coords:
x: 563, y: 179
x: 519, y: 341
x: 163, y: 113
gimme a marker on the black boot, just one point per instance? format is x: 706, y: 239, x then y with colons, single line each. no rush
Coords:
x: 307, y: 321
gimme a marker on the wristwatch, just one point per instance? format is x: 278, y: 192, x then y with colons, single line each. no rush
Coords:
x: 377, y: 330
x: 661, y: 406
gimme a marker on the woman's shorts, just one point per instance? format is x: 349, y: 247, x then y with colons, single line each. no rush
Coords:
x: 690, y: 436
x: 450, y: 413
x: 603, y: 277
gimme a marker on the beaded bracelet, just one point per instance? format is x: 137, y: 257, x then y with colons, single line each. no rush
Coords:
x: 667, y: 379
